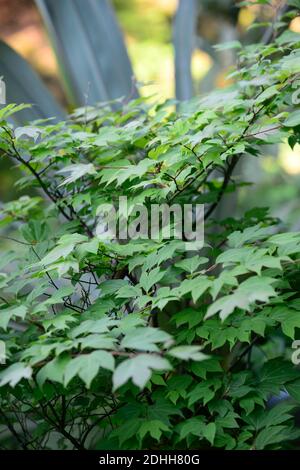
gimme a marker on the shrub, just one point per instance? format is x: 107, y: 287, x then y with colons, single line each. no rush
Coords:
x: 144, y: 345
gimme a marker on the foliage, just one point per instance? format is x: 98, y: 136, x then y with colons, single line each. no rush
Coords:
x: 144, y: 344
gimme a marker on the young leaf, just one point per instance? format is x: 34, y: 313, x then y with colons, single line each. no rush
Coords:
x: 139, y: 369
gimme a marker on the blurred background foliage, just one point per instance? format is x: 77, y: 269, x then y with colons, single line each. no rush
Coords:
x: 151, y: 29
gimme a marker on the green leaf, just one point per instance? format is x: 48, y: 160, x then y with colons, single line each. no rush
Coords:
x: 209, y: 432
x: 267, y: 93
x: 60, y: 322
x: 98, y: 341
x: 204, y: 391
x: 127, y: 292
x: 201, y: 369
x: 147, y: 280
x: 293, y: 120
x: 288, y: 318
x: 191, y: 264
x: 271, y: 435
x: 154, y: 427
x: 61, y: 251
x: 144, y: 339
x: 11, y: 109
x: 77, y: 171
x: 256, y: 288
x: 273, y: 375
x: 188, y: 353
x: 53, y: 370
x: 89, y: 247
x: 92, y: 326
x: 194, y: 426
x: 86, y: 366
x: 29, y: 131
x: 188, y: 315
x: 59, y: 295
x: 288, y: 37
x: 11, y: 312
x: 196, y: 286
x: 293, y: 389
x: 14, y: 373
x: 256, y: 232
x: 228, y: 45
x: 139, y: 369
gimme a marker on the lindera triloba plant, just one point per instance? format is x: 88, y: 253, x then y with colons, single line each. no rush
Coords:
x: 141, y: 345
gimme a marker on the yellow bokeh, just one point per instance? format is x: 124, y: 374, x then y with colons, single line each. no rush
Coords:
x: 167, y: 6
x: 153, y: 65
x: 290, y: 159
x: 201, y: 63
x: 295, y: 25
x: 246, y: 17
